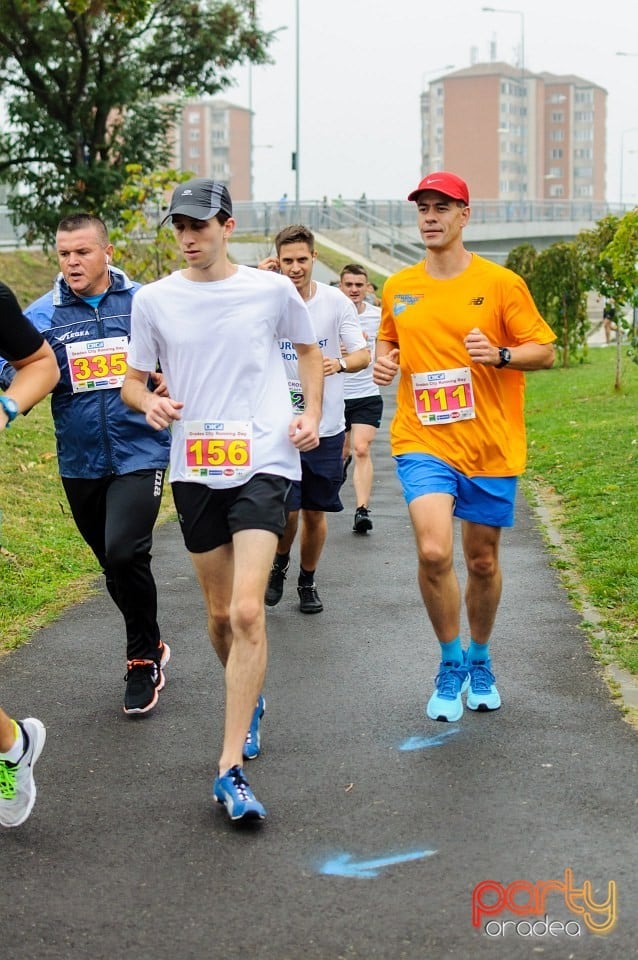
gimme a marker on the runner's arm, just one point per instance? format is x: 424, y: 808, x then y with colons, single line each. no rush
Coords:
x: 160, y: 411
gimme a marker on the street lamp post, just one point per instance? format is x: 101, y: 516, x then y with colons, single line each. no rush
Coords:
x: 622, y: 161
x: 523, y: 171
x: 297, y: 115
x: 624, y: 53
x: 429, y: 73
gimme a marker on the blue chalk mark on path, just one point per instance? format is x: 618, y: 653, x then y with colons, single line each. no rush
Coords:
x: 342, y: 865
x: 422, y: 743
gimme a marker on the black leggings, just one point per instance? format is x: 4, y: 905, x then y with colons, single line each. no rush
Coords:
x: 116, y: 516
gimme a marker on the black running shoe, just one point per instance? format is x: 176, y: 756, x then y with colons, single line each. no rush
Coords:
x: 275, y: 588
x: 144, y: 680
x: 309, y: 601
x: 362, y: 521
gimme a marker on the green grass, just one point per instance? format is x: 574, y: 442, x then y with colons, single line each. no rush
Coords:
x: 29, y: 273
x: 44, y: 564
x: 583, y: 456
x: 336, y: 261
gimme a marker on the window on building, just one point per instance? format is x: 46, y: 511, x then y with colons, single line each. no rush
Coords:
x: 558, y: 116
x: 194, y: 134
x: 556, y: 154
x: 557, y: 135
x: 193, y: 116
x: 556, y: 190
x: 555, y: 172
x: 585, y: 172
x: 584, y: 116
x: 584, y: 190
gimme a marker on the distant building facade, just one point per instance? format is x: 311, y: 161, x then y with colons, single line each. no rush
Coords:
x: 213, y: 139
x: 516, y: 135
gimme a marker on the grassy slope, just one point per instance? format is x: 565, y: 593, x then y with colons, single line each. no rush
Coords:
x: 583, y: 443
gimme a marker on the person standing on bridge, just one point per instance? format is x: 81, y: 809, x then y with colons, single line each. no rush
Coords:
x: 462, y: 331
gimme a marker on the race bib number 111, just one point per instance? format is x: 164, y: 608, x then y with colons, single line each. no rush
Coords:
x: 443, y: 396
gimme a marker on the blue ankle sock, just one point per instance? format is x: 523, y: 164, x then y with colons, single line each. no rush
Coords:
x: 452, y: 652
x: 477, y: 652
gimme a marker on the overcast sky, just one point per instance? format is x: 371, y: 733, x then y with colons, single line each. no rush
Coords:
x: 363, y: 64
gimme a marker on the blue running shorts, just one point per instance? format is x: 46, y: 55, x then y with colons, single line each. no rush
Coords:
x: 487, y: 500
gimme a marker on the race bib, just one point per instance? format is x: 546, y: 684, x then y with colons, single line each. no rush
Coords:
x: 443, y: 396
x: 296, y: 396
x: 97, y: 364
x: 218, y: 448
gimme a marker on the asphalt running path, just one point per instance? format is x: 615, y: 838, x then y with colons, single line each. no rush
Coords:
x: 383, y: 826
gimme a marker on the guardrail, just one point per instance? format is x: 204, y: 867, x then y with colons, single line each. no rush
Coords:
x: 384, y: 216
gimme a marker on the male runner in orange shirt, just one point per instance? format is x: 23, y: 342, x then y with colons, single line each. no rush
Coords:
x: 462, y: 331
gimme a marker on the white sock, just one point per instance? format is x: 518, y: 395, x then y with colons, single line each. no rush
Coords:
x: 18, y: 747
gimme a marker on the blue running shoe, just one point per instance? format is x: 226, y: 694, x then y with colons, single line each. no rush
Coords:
x: 233, y: 792
x: 482, y: 694
x: 252, y: 745
x: 450, y: 682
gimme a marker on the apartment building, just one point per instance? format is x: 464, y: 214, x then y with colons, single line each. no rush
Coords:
x: 213, y: 139
x: 515, y: 135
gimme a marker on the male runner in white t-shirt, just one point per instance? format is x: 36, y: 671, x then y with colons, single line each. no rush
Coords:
x: 344, y: 351
x: 215, y: 329
x: 363, y: 400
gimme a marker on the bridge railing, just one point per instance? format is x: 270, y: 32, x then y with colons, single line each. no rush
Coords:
x: 383, y: 216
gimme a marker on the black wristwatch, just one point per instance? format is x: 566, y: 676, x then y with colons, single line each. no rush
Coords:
x: 505, y: 356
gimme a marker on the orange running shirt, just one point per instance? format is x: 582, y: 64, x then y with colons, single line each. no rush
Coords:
x: 429, y: 320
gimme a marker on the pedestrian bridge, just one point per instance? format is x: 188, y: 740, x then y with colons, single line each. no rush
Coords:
x: 384, y: 231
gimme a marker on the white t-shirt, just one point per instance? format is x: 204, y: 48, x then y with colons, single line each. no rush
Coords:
x: 218, y: 347
x: 361, y: 384
x: 335, y: 320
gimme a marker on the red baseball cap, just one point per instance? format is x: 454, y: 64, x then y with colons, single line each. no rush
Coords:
x: 446, y: 183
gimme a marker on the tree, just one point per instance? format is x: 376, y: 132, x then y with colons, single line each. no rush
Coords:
x: 623, y: 254
x: 559, y: 288
x: 144, y: 248
x: 521, y: 260
x: 93, y: 86
x: 601, y: 276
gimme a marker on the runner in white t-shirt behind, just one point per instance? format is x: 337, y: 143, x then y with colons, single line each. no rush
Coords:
x: 215, y: 329
x: 364, y: 403
x: 344, y: 351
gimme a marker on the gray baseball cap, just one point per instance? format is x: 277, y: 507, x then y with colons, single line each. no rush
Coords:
x: 200, y: 199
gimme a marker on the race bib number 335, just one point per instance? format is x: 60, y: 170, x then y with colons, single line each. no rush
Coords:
x: 443, y: 396
x: 97, y: 364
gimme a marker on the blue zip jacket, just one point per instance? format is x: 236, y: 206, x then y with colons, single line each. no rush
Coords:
x: 97, y: 435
